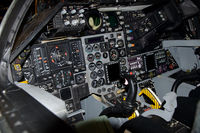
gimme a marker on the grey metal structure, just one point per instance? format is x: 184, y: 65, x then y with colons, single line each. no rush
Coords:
x: 54, y: 104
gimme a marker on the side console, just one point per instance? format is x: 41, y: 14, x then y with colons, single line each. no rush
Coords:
x: 151, y: 64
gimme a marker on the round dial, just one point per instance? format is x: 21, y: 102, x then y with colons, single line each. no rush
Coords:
x: 92, y: 66
x: 101, y: 81
x: 89, y: 48
x: 90, y: 57
x: 59, y: 56
x: 99, y: 64
x: 80, y: 78
x: 122, y: 52
x: 120, y: 43
x: 98, y: 55
x: 96, y: 47
x: 94, y: 83
x: 94, y: 19
x: 100, y: 73
x: 112, y: 43
x: 114, y: 54
x: 123, y: 61
x: 93, y: 75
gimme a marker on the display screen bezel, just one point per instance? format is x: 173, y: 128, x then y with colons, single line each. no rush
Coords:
x: 113, y: 71
x: 150, y: 62
x: 94, y: 40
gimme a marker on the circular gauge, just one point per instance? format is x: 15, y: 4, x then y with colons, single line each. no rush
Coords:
x: 94, y: 83
x: 63, y: 79
x: 94, y: 19
x: 96, y: 47
x: 93, y: 75
x: 120, y: 43
x: 92, y: 66
x: 99, y: 91
x: 89, y: 48
x: 122, y: 52
x: 98, y: 55
x: 90, y: 57
x: 112, y: 43
x: 99, y: 64
x: 105, y: 55
x: 114, y: 54
x: 100, y: 73
x: 123, y: 61
x: 80, y: 78
x: 101, y: 81
x: 59, y: 56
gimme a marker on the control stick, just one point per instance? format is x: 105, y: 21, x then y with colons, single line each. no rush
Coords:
x: 132, y: 87
x: 125, y: 109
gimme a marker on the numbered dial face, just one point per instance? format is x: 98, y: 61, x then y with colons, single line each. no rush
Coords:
x: 59, y: 56
x: 114, y: 54
x: 63, y: 78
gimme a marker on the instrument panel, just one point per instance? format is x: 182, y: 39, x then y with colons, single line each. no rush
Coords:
x: 98, y: 46
x: 103, y: 54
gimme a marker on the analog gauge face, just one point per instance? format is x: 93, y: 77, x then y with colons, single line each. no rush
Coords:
x: 94, y: 19
x: 59, y: 56
x: 63, y: 78
x: 114, y: 54
x: 99, y: 64
x: 120, y: 43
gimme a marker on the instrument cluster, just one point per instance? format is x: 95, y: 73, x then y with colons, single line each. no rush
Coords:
x: 105, y: 58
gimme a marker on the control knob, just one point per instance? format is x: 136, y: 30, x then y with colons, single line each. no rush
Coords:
x: 73, y: 11
x: 63, y: 12
x: 82, y: 21
x: 121, y: 17
x: 67, y: 23
x: 81, y: 11
x: 75, y: 22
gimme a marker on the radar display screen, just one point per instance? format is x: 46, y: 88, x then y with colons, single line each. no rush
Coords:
x: 113, y: 71
x: 150, y: 62
x: 113, y: 20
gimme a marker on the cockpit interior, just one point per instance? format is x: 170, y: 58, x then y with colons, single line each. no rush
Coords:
x: 100, y: 66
